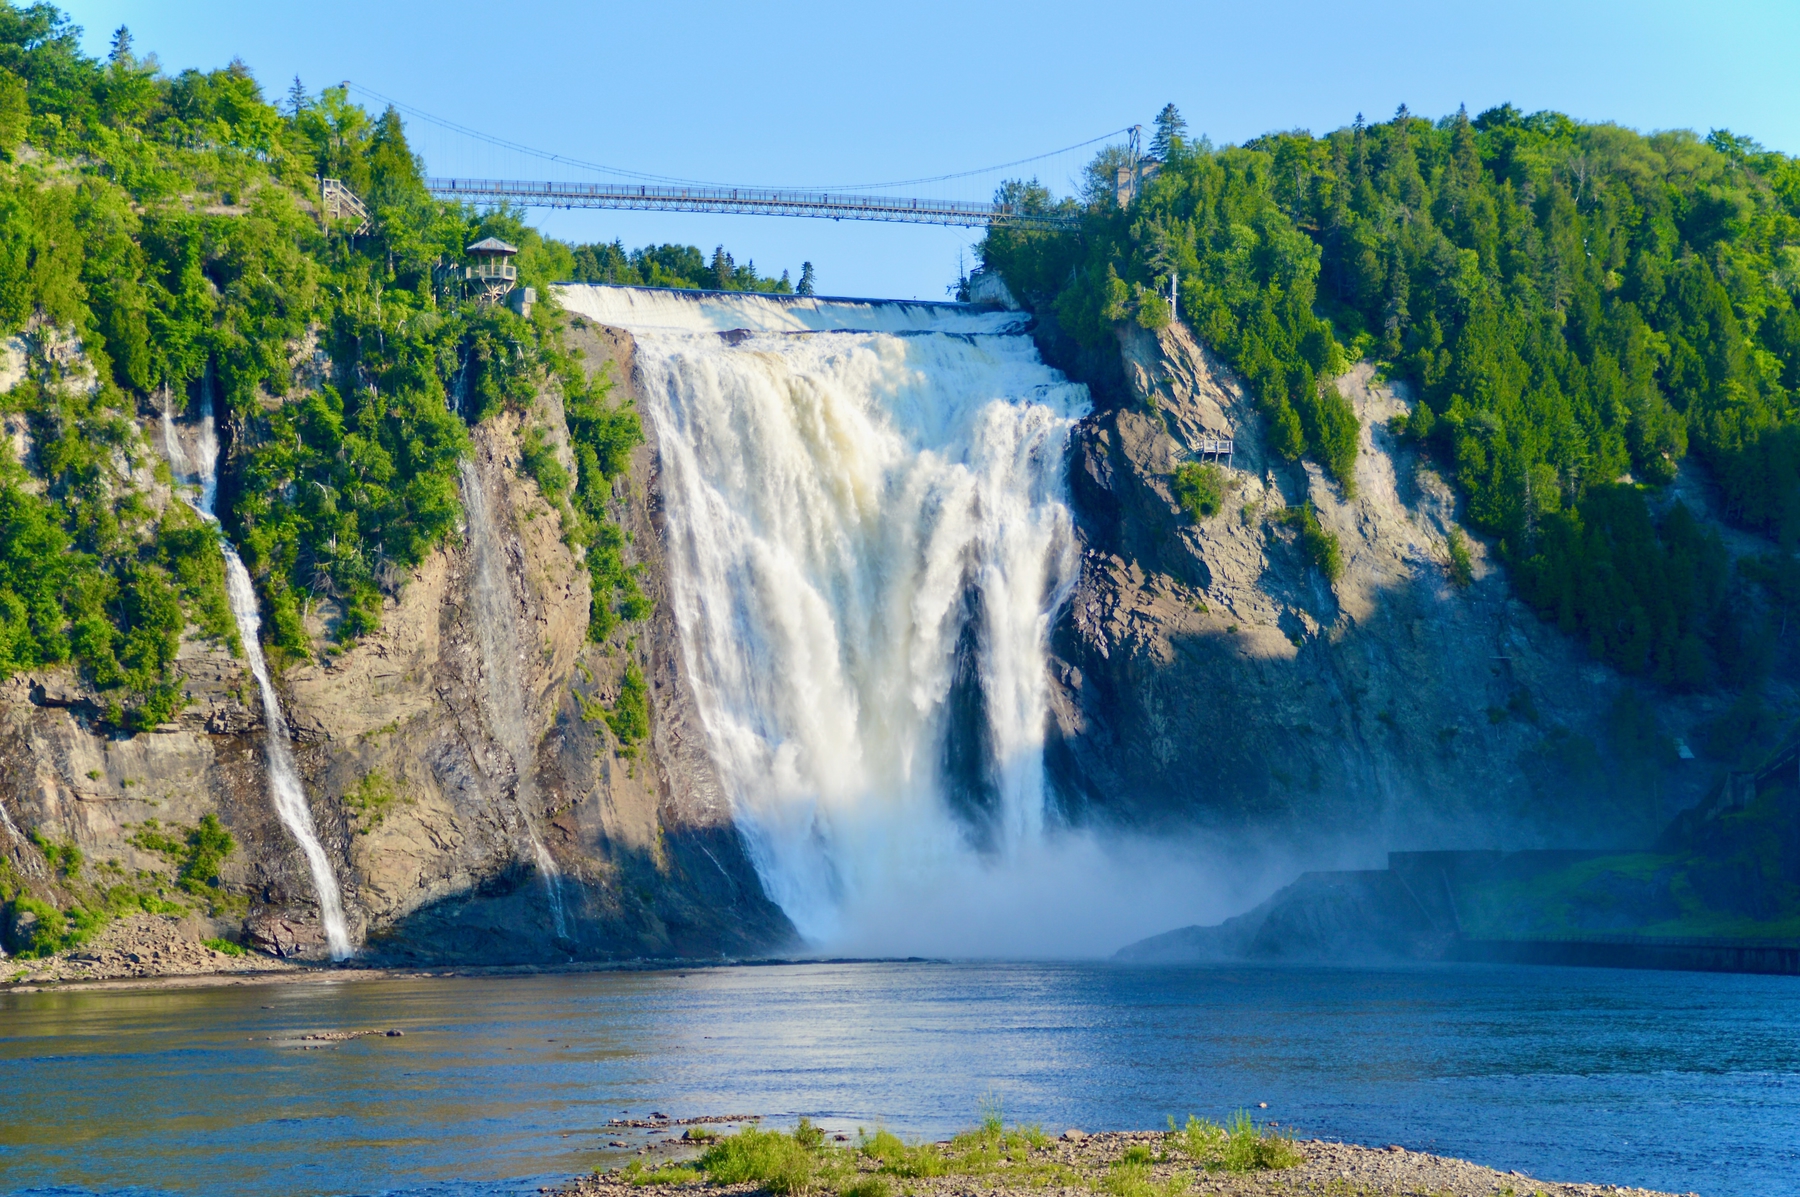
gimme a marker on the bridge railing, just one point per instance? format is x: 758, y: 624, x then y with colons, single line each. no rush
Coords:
x: 755, y: 200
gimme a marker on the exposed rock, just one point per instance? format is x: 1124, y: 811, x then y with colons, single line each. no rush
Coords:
x: 651, y: 864
x: 1204, y: 671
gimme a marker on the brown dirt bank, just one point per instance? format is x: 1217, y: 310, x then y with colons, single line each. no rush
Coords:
x: 1078, y: 1165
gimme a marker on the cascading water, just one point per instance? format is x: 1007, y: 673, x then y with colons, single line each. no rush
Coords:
x: 867, y: 539
x: 284, y: 778
x: 497, y: 632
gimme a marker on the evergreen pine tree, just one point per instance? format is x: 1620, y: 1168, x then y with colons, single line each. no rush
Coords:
x: 805, y: 286
x: 1170, y: 129
x: 121, y: 47
x: 296, y: 98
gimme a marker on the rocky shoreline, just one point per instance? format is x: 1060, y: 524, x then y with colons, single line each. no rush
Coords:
x: 1079, y: 1165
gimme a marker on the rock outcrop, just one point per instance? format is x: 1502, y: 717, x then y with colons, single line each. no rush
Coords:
x: 1205, y: 672
x: 429, y: 826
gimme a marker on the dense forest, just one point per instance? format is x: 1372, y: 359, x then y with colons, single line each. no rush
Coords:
x: 1577, y: 308
x: 160, y: 244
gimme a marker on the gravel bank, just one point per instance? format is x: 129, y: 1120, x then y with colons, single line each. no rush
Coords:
x: 1076, y: 1165
x: 142, y: 946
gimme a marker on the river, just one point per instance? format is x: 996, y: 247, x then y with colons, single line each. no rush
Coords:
x: 1676, y: 1081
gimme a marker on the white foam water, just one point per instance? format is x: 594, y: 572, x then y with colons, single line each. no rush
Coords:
x: 866, y: 523
x: 284, y: 779
x: 507, y: 705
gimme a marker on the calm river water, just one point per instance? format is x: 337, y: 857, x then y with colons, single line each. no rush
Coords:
x: 1678, y: 1081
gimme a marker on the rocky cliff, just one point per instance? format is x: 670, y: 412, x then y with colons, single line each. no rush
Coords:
x: 1206, y: 672
x: 431, y: 823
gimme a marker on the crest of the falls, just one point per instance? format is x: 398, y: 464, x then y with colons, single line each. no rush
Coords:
x: 505, y: 702
x: 284, y: 778
x: 867, y: 538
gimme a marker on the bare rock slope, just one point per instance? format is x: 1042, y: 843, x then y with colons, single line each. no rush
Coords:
x: 1205, y: 671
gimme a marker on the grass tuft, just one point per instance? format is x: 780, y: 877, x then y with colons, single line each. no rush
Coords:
x: 1238, y: 1146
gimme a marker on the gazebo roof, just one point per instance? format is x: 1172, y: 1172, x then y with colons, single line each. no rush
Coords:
x: 492, y: 245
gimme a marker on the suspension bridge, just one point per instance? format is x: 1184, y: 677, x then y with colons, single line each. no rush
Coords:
x: 758, y: 201
x: 503, y: 173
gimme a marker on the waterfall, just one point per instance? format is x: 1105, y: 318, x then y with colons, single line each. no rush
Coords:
x: 506, y: 704
x: 867, y: 537
x: 284, y: 778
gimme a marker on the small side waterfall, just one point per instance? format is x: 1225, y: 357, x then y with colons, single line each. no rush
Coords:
x: 497, y: 631
x: 284, y: 778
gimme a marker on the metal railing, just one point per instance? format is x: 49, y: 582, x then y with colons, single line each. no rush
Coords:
x: 496, y: 272
x: 755, y: 200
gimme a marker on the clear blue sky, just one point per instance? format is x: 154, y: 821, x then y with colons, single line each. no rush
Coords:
x: 810, y: 93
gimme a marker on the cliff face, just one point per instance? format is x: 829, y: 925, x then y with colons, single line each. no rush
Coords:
x: 476, y: 806
x: 1204, y: 671
x: 428, y: 819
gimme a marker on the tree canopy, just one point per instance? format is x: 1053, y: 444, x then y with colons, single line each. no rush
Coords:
x: 1576, y: 307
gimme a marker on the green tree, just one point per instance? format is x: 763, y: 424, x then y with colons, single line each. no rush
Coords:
x: 1170, y: 129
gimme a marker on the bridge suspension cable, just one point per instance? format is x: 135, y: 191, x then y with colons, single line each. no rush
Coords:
x: 477, y: 181
x: 503, y: 143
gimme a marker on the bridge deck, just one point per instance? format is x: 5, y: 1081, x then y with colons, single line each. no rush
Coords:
x: 753, y: 200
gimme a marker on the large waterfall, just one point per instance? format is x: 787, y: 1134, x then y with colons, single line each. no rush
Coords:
x: 284, y: 778
x: 867, y: 538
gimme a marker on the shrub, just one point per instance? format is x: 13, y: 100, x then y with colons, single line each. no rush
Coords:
x: 779, y: 1162
x: 371, y: 800
x: 897, y: 1158
x: 1319, y: 543
x: 868, y: 1186
x: 1462, y: 570
x: 630, y: 714
x: 1238, y: 1146
x: 1251, y: 1149
x: 1200, y: 489
x: 197, y: 855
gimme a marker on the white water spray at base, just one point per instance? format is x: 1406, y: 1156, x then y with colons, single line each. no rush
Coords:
x: 507, y: 705
x: 284, y: 778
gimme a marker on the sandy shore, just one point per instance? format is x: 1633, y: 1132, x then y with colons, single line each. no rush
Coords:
x: 1078, y: 1165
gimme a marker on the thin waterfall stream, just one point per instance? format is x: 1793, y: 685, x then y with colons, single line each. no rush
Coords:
x: 506, y: 702
x: 284, y: 778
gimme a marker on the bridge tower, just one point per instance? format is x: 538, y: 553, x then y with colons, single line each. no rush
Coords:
x: 1137, y: 169
x: 492, y: 277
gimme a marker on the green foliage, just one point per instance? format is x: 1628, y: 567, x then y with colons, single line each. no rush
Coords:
x: 630, y: 714
x: 681, y: 266
x: 1462, y: 568
x: 224, y: 946
x: 1200, y: 488
x: 66, y: 859
x: 1238, y: 1146
x: 602, y: 436
x: 49, y: 935
x: 1247, y: 274
x: 197, y: 853
x: 1649, y: 596
x: 783, y: 1164
x: 1130, y: 1176
x: 899, y: 1158
x: 1318, y: 543
x: 372, y: 799
x: 1572, y: 303
x: 15, y: 113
